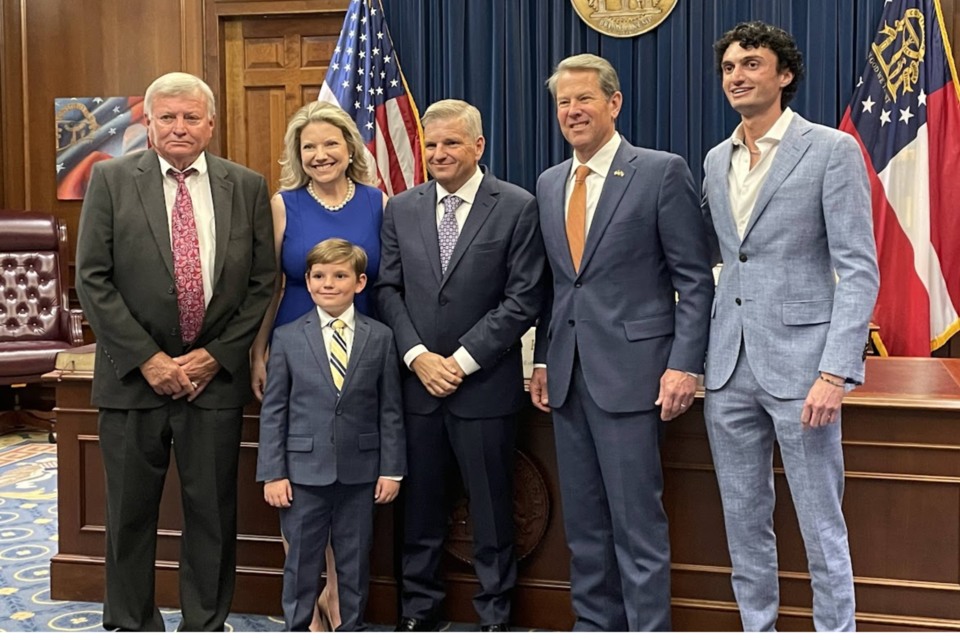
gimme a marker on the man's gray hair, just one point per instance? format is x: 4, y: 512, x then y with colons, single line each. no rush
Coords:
x: 455, y: 110
x: 606, y: 74
x: 179, y: 84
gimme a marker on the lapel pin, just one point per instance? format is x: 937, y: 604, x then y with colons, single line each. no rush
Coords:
x: 618, y: 173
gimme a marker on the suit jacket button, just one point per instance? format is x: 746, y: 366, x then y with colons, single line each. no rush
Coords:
x: 443, y: 301
x: 173, y: 332
x: 738, y: 301
x: 572, y: 323
x: 743, y: 257
x: 171, y: 289
x: 339, y: 412
x: 578, y: 285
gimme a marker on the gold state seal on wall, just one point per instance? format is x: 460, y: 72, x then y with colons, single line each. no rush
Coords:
x: 624, y: 18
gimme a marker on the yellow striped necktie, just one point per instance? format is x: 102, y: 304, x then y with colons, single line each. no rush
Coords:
x: 338, y: 352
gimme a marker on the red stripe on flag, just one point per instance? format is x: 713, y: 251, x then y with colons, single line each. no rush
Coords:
x: 903, y: 305
x: 372, y: 148
x: 413, y: 134
x: 396, y: 173
x: 943, y: 127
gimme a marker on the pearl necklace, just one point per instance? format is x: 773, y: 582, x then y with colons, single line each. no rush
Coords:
x: 343, y: 203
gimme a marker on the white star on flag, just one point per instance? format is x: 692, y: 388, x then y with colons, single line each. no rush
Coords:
x: 363, y: 37
x: 868, y: 105
x: 335, y: 65
x: 116, y: 109
x: 394, y: 82
x: 376, y: 51
x: 352, y: 33
x: 379, y: 35
x: 884, y: 118
x: 905, y: 115
x: 370, y: 108
x: 59, y: 167
x: 363, y: 54
x: 98, y: 100
x: 386, y: 58
x: 370, y: 125
x: 356, y: 105
x: 353, y: 17
x: 336, y: 49
x: 363, y: 20
x: 345, y: 84
x: 923, y: 97
x: 379, y: 91
x: 112, y: 131
x: 373, y: 12
x: 860, y: 81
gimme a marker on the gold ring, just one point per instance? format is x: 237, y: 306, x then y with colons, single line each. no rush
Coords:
x: 194, y: 383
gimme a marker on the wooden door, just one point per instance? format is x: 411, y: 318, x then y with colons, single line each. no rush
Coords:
x: 272, y: 67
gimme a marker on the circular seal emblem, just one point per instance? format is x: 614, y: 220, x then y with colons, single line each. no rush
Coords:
x: 623, y: 18
x: 531, y: 510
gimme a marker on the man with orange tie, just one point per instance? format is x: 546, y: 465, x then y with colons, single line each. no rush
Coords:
x: 619, y: 348
x: 175, y: 269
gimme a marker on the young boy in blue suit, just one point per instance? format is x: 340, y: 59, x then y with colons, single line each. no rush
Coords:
x: 331, y: 435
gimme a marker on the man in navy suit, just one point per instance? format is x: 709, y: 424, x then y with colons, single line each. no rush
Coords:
x: 623, y: 342
x: 460, y: 282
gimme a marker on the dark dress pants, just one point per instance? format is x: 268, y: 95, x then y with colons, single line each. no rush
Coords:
x: 343, y: 514
x: 135, y: 446
x: 611, y: 484
x: 484, y: 451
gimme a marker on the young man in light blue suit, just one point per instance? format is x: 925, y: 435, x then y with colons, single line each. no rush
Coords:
x: 617, y: 353
x: 787, y: 203
x: 331, y: 435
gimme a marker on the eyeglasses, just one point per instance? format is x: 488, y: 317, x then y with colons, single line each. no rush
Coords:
x: 168, y: 120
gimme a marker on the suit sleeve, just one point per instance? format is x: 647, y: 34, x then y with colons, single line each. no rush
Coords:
x: 684, y: 241
x: 274, y: 415
x: 118, y: 332
x: 389, y: 289
x: 849, y: 223
x: 541, y: 342
x: 393, y: 442
x: 232, y: 347
x: 503, y: 327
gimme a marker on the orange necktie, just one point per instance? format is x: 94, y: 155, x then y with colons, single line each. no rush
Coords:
x: 577, y: 216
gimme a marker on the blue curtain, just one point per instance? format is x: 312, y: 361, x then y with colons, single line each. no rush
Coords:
x: 497, y: 54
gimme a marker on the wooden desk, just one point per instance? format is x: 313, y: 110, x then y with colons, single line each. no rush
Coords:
x: 902, y: 452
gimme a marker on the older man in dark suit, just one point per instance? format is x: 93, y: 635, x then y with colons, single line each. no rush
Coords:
x: 175, y: 268
x: 460, y: 282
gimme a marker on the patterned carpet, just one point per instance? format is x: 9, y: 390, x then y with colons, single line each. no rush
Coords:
x: 28, y: 540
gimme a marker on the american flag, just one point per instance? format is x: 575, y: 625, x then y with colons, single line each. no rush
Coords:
x: 365, y: 80
x: 905, y: 113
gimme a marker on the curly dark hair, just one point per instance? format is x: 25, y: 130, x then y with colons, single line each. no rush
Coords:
x: 753, y: 35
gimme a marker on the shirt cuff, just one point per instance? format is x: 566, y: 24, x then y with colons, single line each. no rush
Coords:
x: 466, y: 361
x: 394, y: 478
x: 690, y: 373
x: 411, y: 355
x: 539, y: 365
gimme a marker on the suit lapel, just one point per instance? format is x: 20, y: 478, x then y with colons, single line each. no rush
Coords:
x: 313, y: 334
x: 556, y: 194
x: 361, y: 334
x: 480, y: 210
x: 427, y: 213
x: 614, y: 186
x: 150, y: 187
x: 723, y: 212
x: 222, y: 191
x: 791, y: 149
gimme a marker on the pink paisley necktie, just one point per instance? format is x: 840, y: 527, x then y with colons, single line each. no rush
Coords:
x: 186, y: 260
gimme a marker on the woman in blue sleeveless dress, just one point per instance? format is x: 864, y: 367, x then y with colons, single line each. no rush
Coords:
x: 325, y: 192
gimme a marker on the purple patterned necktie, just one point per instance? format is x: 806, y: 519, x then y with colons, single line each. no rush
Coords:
x: 186, y: 260
x: 448, y: 229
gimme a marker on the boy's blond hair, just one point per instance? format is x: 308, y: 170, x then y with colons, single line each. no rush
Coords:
x: 333, y: 250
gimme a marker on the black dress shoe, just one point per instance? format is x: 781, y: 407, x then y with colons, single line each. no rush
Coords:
x: 415, y: 624
x: 495, y: 627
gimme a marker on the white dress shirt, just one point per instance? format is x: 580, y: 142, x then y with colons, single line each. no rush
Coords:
x: 599, y: 168
x: 745, y: 183
x: 198, y: 185
x: 467, y: 193
x: 349, y: 318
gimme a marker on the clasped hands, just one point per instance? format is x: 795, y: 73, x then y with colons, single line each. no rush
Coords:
x: 441, y: 376
x: 279, y: 493
x: 187, y: 375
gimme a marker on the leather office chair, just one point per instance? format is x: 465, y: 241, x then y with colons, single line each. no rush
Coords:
x: 36, y: 321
